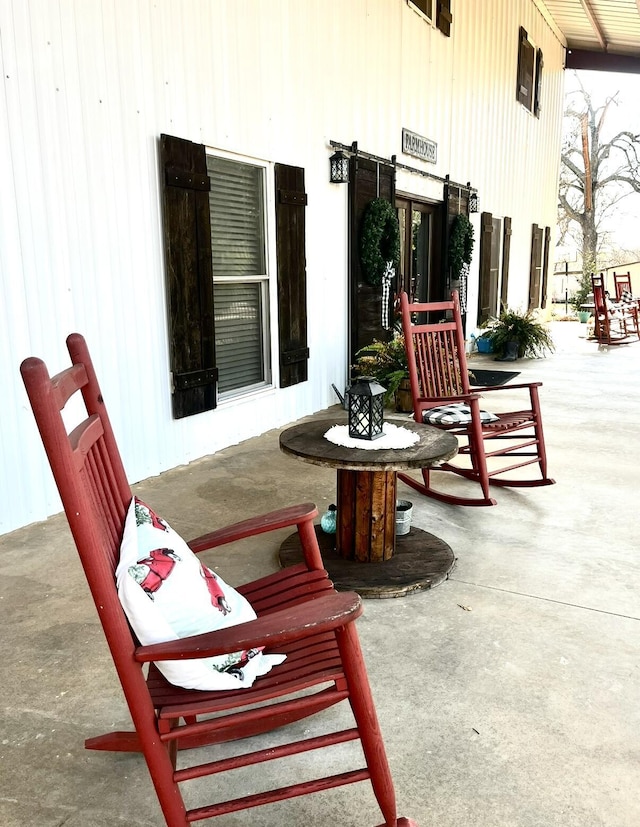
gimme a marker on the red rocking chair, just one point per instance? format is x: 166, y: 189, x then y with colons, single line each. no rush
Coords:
x: 439, y: 378
x: 614, y: 323
x: 299, y: 614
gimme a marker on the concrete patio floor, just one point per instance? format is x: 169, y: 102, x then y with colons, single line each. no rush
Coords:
x: 509, y: 695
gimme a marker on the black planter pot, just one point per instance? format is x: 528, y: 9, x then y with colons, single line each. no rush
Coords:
x: 510, y: 353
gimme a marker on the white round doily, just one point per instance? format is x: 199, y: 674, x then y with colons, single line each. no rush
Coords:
x: 394, y: 437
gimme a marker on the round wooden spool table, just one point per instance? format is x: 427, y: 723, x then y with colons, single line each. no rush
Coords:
x: 365, y: 555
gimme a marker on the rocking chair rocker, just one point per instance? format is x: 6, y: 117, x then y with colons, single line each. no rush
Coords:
x: 442, y: 397
x: 298, y: 614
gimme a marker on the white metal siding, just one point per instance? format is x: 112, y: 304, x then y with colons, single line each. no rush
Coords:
x: 89, y: 85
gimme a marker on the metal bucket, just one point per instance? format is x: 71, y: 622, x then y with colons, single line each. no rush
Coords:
x: 404, y: 509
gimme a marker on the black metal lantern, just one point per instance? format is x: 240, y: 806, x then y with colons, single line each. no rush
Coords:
x: 473, y: 202
x: 339, y: 168
x: 366, y: 408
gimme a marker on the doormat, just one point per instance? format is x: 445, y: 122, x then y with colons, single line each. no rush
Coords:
x: 491, y: 377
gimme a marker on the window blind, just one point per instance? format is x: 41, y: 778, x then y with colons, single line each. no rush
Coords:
x: 238, y: 254
x: 237, y: 222
x: 238, y: 326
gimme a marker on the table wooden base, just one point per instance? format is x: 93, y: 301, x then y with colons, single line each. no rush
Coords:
x: 366, y: 527
x: 420, y: 562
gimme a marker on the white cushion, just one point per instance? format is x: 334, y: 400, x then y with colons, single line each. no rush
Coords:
x: 457, y: 413
x: 168, y: 594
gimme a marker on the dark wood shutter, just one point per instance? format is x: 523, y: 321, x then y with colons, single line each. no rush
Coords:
x: 486, y: 289
x: 291, y: 201
x: 506, y: 253
x: 444, y: 19
x: 187, y: 241
x: 526, y: 59
x: 537, y: 93
x: 367, y: 180
x: 545, y: 266
x: 536, y: 267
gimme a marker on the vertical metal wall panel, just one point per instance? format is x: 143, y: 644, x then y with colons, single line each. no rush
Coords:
x: 88, y: 87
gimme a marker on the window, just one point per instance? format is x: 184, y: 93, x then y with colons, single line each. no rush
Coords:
x: 217, y: 278
x: 443, y: 16
x: 240, y: 280
x: 539, y: 268
x: 530, y: 63
x: 419, y: 272
x: 423, y: 5
x: 506, y: 255
x: 490, y: 240
x: 535, y: 269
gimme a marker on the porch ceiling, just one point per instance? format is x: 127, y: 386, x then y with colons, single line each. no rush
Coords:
x: 600, y: 34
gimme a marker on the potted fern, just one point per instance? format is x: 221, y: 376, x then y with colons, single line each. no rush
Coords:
x: 386, y: 362
x: 515, y: 334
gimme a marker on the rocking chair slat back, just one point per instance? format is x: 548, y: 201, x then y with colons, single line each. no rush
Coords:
x: 599, y: 297
x: 622, y: 283
x: 439, y: 370
x: 89, y: 475
x: 440, y: 359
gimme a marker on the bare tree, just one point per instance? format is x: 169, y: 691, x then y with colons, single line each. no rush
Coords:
x: 597, y: 171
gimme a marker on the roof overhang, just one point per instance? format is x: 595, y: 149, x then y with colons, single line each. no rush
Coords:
x: 603, y: 35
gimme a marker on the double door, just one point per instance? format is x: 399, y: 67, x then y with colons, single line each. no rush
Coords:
x: 420, y: 271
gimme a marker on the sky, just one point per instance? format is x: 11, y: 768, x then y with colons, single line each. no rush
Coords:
x: 624, y: 224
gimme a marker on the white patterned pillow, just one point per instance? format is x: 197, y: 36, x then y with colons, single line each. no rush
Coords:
x: 168, y: 594
x: 457, y: 413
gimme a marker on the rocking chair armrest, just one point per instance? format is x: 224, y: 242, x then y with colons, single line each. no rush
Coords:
x: 517, y: 386
x: 283, y: 517
x: 322, y: 614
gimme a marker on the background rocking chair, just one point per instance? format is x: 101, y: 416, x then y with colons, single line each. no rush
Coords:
x: 622, y: 284
x: 439, y: 377
x: 614, y: 323
x: 299, y: 614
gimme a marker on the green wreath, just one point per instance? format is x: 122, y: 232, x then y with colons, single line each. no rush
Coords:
x: 379, y: 240
x: 460, y: 244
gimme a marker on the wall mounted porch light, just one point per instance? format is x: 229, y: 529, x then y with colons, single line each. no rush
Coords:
x: 339, y: 168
